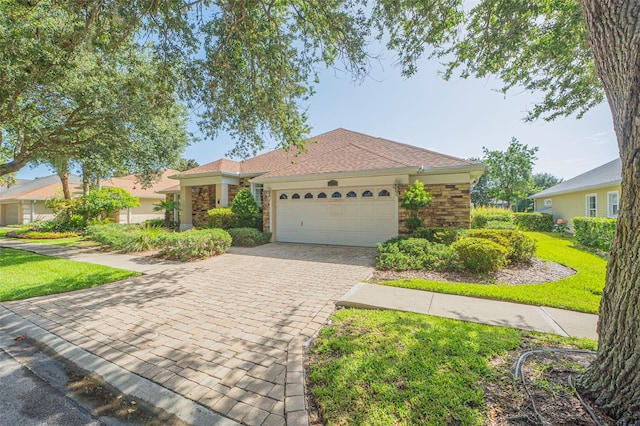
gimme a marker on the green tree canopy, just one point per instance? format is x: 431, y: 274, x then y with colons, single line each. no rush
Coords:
x: 509, y: 173
x: 102, y: 203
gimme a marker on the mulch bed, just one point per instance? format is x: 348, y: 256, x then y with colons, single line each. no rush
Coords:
x: 536, y: 272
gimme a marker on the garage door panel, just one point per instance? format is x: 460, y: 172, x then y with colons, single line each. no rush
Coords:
x: 359, y: 221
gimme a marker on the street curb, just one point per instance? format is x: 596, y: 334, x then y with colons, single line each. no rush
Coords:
x: 124, y: 381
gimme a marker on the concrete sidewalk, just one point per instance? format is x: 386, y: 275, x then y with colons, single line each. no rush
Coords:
x: 485, y: 311
x: 142, y: 264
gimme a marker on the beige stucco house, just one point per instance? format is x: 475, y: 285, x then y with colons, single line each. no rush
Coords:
x: 344, y: 189
x: 24, y: 202
x: 594, y: 193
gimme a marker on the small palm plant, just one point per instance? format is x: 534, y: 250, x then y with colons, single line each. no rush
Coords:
x: 167, y: 206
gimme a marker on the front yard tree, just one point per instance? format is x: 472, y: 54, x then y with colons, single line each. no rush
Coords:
x: 415, y: 199
x: 103, y: 203
x: 575, y: 52
x: 510, y: 173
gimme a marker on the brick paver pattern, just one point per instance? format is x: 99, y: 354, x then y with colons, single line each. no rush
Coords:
x: 227, y: 332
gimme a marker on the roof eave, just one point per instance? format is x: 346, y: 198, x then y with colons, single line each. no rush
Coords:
x: 579, y: 189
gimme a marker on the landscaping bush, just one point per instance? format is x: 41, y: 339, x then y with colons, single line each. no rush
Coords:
x: 194, y: 244
x: 481, y: 217
x: 498, y: 224
x: 222, y: 218
x: 480, y: 255
x: 415, y: 254
x: 154, y: 223
x: 246, y: 210
x: 128, y: 238
x: 594, y: 232
x: 248, y: 237
x: 520, y: 247
x: 539, y: 222
x: 437, y: 235
x: 30, y: 234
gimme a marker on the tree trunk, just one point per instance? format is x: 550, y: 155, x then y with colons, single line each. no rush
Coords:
x: 613, y: 380
x: 64, y: 178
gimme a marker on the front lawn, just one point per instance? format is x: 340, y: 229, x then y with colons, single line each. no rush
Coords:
x: 397, y: 368
x: 580, y: 292
x: 24, y: 274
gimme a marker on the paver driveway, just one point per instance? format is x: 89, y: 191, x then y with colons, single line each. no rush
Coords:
x: 227, y: 332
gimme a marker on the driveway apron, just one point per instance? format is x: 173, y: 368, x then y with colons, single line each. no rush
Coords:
x: 227, y: 332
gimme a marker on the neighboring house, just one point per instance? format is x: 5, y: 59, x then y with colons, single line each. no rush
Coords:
x: 344, y: 189
x: 595, y: 193
x: 24, y: 202
x: 148, y: 196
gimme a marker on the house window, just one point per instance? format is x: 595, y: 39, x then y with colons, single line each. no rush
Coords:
x: 592, y: 205
x: 383, y: 193
x: 283, y: 196
x: 308, y: 195
x: 336, y: 195
x: 256, y: 190
x: 612, y: 203
x: 351, y: 194
x: 295, y: 196
x: 322, y: 195
x: 548, y: 202
x: 332, y: 183
x: 367, y: 193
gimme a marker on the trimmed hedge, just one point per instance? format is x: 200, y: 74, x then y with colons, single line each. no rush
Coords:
x: 248, y: 237
x: 594, y: 232
x: 437, y: 235
x: 415, y: 254
x: 480, y: 255
x: 520, y: 247
x: 539, y: 222
x: 194, y: 244
x: 481, y: 217
x: 221, y: 217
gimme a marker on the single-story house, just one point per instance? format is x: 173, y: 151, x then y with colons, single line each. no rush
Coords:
x: 595, y: 193
x: 344, y: 189
x: 148, y: 197
x: 24, y: 201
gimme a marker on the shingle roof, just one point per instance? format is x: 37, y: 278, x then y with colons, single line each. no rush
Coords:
x: 339, y: 150
x: 36, y: 189
x: 605, y: 175
x: 131, y: 184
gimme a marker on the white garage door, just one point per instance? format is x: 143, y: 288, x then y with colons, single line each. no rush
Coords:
x: 351, y: 216
x: 12, y: 213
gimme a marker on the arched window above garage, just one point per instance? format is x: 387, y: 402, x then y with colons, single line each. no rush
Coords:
x: 367, y: 193
x: 308, y: 195
x: 322, y: 195
x: 295, y: 196
x: 383, y: 193
x: 283, y: 196
x: 351, y: 194
x: 336, y: 195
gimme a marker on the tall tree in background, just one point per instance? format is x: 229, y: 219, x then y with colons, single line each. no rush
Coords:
x: 542, y: 181
x: 186, y: 164
x: 510, y: 173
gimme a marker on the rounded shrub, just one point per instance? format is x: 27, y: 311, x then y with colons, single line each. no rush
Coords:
x: 246, y: 210
x: 221, y: 217
x: 480, y: 255
x: 520, y: 247
x: 248, y: 237
x: 194, y: 244
x: 415, y: 254
x: 540, y: 222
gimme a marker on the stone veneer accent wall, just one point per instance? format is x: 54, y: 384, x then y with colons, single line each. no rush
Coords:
x: 168, y: 198
x: 450, y: 207
x: 203, y: 199
x: 265, y: 213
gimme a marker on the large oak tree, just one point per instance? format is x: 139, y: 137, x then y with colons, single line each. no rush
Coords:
x: 250, y: 65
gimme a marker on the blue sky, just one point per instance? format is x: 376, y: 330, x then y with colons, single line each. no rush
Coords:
x: 457, y: 117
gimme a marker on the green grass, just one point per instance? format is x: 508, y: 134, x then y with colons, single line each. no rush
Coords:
x: 396, y: 368
x: 580, y: 292
x: 24, y: 274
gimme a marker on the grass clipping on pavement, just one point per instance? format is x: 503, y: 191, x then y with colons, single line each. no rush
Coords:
x: 24, y: 274
x: 389, y: 367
